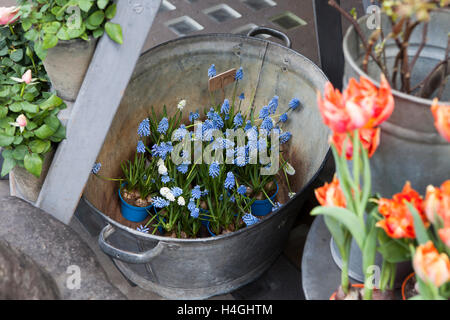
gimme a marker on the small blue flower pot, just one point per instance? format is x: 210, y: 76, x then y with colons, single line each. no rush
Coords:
x: 208, y: 223
x: 263, y: 207
x: 205, y: 220
x: 132, y: 213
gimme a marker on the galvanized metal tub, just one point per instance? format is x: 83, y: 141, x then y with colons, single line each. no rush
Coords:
x: 200, y: 268
x: 410, y: 147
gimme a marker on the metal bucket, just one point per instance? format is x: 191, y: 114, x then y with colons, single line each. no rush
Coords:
x: 410, y: 147
x: 203, y: 267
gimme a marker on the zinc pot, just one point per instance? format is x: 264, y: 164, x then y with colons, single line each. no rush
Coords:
x: 203, y: 267
x: 132, y: 213
x: 66, y: 65
x: 28, y: 185
x: 263, y: 207
x: 410, y: 147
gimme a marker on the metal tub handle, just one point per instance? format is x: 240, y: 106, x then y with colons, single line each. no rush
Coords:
x: 273, y: 32
x: 126, y: 256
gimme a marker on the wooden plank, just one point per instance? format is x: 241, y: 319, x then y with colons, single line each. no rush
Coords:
x: 99, y: 97
x: 329, y: 41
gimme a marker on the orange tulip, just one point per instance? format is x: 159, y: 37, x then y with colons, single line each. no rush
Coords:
x: 437, y: 202
x: 332, y: 108
x: 330, y: 194
x: 430, y: 266
x: 441, y: 115
x: 398, y: 221
x: 444, y: 234
x: 370, y: 139
x: 377, y: 102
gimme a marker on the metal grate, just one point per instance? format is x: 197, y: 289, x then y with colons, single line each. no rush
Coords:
x: 259, y: 4
x: 288, y: 20
x: 184, y: 25
x: 222, y: 13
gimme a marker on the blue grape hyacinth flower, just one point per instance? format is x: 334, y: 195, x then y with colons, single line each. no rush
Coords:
x: 283, y: 117
x: 140, y: 147
x: 242, y: 189
x: 238, y: 120
x: 193, y: 116
x: 264, y: 113
x: 144, y: 128
x: 176, y: 191
x: 159, y: 202
x: 183, y: 168
x: 96, y: 167
x: 225, y: 107
x: 294, y: 104
x: 196, y: 193
x: 285, y: 136
x: 239, y: 74
x: 212, y: 71
x: 267, y: 124
x: 142, y: 229
x: 165, y: 179
x: 273, y: 105
x: 214, y: 169
x: 241, y: 96
x: 249, y: 219
x: 229, y: 181
x: 163, y: 125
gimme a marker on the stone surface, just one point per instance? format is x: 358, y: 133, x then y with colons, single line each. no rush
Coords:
x: 57, y: 249
x: 22, y: 279
x: 320, y: 275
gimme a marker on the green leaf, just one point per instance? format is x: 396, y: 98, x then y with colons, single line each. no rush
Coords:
x: 19, y: 152
x: 98, y: 33
x: 8, y: 165
x: 114, y: 31
x: 336, y: 230
x: 33, y: 164
x: 63, y: 34
x: 111, y: 11
x: 5, y: 92
x: 85, y: 5
x: 96, y: 18
x: 53, y: 101
x: 31, y: 35
x: 18, y: 140
x: 39, y: 146
x: 53, y: 122
x: 392, y: 251
x: 419, y: 227
x: 16, y: 55
x: 6, y: 140
x: 44, y: 132
x: 345, y: 217
x: 102, y: 3
x: 29, y: 107
x: 3, y: 112
x: 59, y: 135
x: 50, y: 41
x: 41, y: 52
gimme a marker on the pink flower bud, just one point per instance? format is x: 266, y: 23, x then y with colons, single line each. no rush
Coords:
x: 27, y: 77
x: 21, y: 121
x: 7, y: 15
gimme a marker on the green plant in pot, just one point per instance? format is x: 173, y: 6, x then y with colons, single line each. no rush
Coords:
x: 407, y: 41
x: 354, y: 118
x: 29, y: 126
x: 65, y: 33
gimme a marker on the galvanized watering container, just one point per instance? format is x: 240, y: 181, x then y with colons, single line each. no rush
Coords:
x: 410, y: 147
x: 200, y: 268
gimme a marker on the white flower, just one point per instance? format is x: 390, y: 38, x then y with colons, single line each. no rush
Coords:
x: 160, y: 162
x: 181, y: 104
x: 164, y: 191
x: 289, y: 169
x: 170, y: 196
x: 291, y: 194
x: 162, y: 170
x: 181, y: 201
